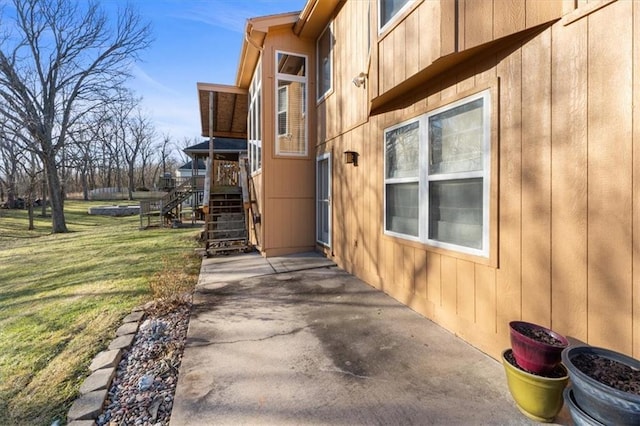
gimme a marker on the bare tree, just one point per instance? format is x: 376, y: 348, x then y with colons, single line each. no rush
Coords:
x: 61, y: 60
x: 138, y: 136
x: 10, y: 157
x: 184, y: 144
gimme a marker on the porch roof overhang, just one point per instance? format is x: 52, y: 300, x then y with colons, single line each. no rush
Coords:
x: 223, y: 110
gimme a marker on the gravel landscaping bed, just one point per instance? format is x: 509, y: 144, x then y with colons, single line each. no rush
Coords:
x: 143, y: 389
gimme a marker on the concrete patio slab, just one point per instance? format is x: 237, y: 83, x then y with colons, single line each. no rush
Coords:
x: 319, y: 346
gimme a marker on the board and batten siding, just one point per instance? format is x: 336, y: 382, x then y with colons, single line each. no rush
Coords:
x: 287, y: 188
x: 568, y: 222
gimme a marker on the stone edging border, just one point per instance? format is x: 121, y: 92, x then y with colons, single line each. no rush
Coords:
x: 94, y: 390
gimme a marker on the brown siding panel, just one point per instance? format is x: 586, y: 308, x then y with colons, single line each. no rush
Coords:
x: 466, y: 291
x: 567, y: 221
x: 536, y: 180
x: 636, y: 183
x: 509, y: 291
x: 434, y: 280
x: 478, y: 23
x: 509, y: 17
x: 448, y: 303
x: 412, y: 39
x: 569, y: 184
x: 485, y: 288
x: 609, y: 177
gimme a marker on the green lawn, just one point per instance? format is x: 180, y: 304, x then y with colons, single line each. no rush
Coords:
x: 62, y: 296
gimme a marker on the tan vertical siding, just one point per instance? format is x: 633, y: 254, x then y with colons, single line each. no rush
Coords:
x: 466, y: 291
x: 567, y: 196
x: 485, y: 286
x: 288, y: 183
x: 636, y: 183
x: 447, y: 311
x: 569, y: 183
x: 445, y: 14
x: 509, y: 290
x: 536, y: 180
x: 478, y: 25
x: 539, y: 12
x: 609, y: 177
x: 509, y: 17
x: 411, y: 39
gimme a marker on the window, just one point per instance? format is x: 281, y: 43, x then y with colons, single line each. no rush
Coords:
x: 323, y: 200
x: 325, y: 62
x: 387, y: 9
x: 283, y: 100
x: 291, y: 89
x: 402, y: 173
x: 254, y: 120
x: 437, y: 170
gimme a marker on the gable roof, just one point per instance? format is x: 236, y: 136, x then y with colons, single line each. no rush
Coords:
x: 189, y: 165
x: 224, y: 148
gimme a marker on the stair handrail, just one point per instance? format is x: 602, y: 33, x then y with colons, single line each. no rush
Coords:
x: 183, y: 190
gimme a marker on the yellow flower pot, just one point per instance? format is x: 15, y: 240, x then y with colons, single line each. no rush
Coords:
x: 537, y: 397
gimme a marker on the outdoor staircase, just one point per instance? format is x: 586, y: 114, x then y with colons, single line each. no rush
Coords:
x: 166, y: 209
x: 176, y: 197
x: 226, y: 229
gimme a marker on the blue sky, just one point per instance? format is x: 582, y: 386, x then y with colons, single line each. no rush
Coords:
x: 195, y: 41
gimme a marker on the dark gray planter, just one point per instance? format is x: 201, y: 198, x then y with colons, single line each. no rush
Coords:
x: 599, y: 401
x: 579, y: 417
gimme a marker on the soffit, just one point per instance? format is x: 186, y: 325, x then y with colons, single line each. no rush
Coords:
x: 226, y: 108
x: 256, y: 31
x: 314, y: 17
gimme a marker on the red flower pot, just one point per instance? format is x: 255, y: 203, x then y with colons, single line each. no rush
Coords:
x: 537, y: 349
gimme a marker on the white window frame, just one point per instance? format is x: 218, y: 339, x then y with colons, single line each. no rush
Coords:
x: 424, y: 178
x: 400, y: 180
x: 254, y: 134
x: 326, y: 156
x: 284, y: 111
x: 382, y: 28
x: 321, y: 96
x: 298, y: 79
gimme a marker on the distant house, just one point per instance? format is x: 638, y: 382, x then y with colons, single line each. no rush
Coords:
x: 227, y: 152
x: 194, y: 168
x: 476, y: 160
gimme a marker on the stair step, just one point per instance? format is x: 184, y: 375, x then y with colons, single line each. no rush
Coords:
x: 236, y: 227
x: 243, y: 247
x: 231, y: 217
x: 228, y: 217
x: 213, y: 205
x: 220, y: 240
x: 229, y: 230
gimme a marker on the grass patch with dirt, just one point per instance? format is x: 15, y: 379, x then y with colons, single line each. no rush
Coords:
x: 62, y: 296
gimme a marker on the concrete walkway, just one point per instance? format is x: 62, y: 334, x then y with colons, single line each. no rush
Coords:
x: 296, y: 340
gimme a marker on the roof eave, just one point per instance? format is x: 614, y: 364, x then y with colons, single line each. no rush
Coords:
x: 314, y: 17
x: 255, y: 33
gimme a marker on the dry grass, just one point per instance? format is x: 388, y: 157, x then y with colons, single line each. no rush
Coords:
x: 172, y: 286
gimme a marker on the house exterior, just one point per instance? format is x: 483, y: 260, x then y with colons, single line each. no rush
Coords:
x: 474, y: 159
x: 193, y: 168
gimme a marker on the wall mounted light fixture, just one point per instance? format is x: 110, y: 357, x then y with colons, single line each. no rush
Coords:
x: 351, y: 157
x: 360, y: 79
